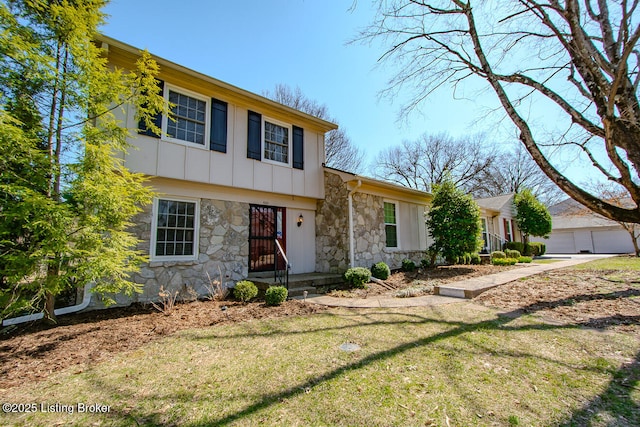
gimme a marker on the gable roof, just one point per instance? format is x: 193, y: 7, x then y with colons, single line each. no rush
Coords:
x: 496, y: 203
x: 379, y: 187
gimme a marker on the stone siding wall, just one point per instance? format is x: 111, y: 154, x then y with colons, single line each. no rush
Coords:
x: 332, y: 227
x: 332, y: 231
x: 223, y: 243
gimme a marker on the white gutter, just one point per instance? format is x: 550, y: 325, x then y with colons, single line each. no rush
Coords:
x: 351, y: 243
x: 58, y: 311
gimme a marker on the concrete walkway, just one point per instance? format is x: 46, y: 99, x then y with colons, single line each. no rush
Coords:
x: 453, y: 292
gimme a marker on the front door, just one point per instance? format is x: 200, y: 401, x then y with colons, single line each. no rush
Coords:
x: 267, y: 223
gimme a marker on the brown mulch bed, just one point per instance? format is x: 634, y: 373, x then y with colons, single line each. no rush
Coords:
x: 594, y: 299
x: 424, y: 278
x: 30, y: 352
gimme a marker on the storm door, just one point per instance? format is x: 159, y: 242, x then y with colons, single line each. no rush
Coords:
x: 268, y: 223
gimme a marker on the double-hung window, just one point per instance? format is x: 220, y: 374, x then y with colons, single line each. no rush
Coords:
x: 390, y: 225
x: 175, y: 229
x: 277, y: 137
x: 275, y: 142
x: 189, y: 116
x: 196, y: 120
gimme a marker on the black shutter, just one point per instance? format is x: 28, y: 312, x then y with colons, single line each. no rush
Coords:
x: 298, y: 147
x: 157, y: 120
x: 254, y: 139
x: 218, y: 126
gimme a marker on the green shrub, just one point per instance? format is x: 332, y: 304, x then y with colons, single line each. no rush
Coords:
x: 380, y: 271
x: 357, y: 277
x: 475, y: 259
x: 425, y: 263
x: 535, y: 249
x: 497, y: 254
x: 408, y: 265
x: 276, y: 295
x: 525, y: 259
x: 504, y: 261
x: 245, y: 290
x: 518, y: 246
x: 512, y: 253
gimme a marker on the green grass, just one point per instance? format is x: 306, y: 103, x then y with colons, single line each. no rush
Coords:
x: 613, y: 263
x: 546, y: 261
x: 457, y: 365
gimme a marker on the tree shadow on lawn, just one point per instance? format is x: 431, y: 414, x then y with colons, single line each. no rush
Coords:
x: 615, y: 400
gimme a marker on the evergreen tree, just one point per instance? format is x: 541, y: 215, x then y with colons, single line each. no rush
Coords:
x: 453, y: 222
x: 66, y: 199
x: 532, y: 216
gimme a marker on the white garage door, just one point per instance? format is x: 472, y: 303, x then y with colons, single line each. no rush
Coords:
x: 612, y: 242
x: 560, y: 243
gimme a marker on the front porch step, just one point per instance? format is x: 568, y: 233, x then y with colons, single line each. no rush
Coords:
x: 298, y: 283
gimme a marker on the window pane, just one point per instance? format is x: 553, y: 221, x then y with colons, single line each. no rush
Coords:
x: 389, y: 213
x: 392, y: 237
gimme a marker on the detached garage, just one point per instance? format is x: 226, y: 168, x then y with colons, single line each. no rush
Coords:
x: 582, y: 231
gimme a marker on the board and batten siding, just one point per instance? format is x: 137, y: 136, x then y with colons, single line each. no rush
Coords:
x: 162, y: 158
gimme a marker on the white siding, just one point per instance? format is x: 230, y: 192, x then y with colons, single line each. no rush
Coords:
x: 158, y: 157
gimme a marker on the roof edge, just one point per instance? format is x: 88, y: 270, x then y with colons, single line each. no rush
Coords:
x: 321, y: 123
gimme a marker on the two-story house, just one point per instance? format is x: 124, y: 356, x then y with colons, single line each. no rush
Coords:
x: 235, y: 172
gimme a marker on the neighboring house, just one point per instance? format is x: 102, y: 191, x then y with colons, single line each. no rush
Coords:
x: 234, y: 172
x: 498, y: 222
x: 579, y: 230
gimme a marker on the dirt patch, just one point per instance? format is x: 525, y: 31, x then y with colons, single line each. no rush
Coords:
x: 596, y: 299
x: 420, y: 281
x: 30, y: 352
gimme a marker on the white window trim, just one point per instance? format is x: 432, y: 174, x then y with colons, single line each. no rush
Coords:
x: 396, y: 207
x: 207, y: 117
x: 154, y: 230
x: 262, y: 141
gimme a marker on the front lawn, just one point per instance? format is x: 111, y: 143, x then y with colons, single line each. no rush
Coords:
x: 613, y: 263
x: 454, y: 365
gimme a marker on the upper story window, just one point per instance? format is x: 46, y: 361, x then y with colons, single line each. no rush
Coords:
x: 276, y: 142
x: 190, y: 118
x: 273, y: 141
x: 197, y: 121
x: 390, y: 225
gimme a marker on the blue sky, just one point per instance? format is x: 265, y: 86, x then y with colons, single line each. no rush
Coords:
x: 257, y: 44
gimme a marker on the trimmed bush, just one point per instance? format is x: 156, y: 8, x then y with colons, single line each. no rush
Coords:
x: 512, y: 253
x: 244, y: 290
x: 535, y: 249
x: 518, y: 246
x: 408, y: 265
x: 497, y: 254
x: 525, y: 259
x: 276, y: 295
x: 475, y: 259
x: 425, y: 263
x: 357, y: 277
x: 380, y: 271
x: 504, y: 261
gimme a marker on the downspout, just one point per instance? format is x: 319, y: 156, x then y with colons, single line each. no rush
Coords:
x: 351, y: 243
x: 58, y: 311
